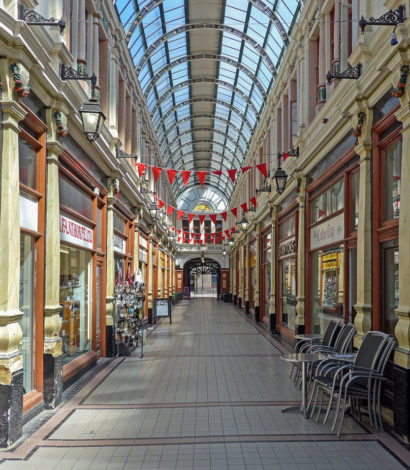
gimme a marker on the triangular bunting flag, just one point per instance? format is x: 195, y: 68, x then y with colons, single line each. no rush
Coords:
x: 161, y: 204
x: 185, y: 176
x: 201, y: 176
x: 180, y: 214
x: 193, y: 234
x: 224, y: 214
x: 179, y: 231
x: 201, y: 219
x: 235, y: 211
x: 285, y: 155
x: 185, y: 234
x: 170, y: 210
x: 217, y: 172
x: 178, y: 239
x: 232, y: 175
x: 206, y: 237
x: 213, y: 218
x: 156, y: 171
x: 228, y: 233
x: 219, y: 234
x: 190, y: 217
x: 262, y: 168
x: 171, y: 175
x: 233, y: 229
x: 253, y: 200
x: 246, y: 168
x: 223, y: 238
x: 244, y: 206
x: 141, y: 168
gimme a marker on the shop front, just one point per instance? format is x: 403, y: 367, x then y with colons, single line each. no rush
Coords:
x: 82, y: 264
x: 332, y: 219
x: 32, y: 168
x: 252, y: 274
x: 286, y: 277
x: 143, y: 265
x: 265, y: 274
x: 123, y: 243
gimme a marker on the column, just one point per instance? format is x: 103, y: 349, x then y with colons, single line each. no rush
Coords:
x: 344, y: 33
x: 272, y: 302
x: 150, y: 277
x: 245, y: 284
x: 73, y: 24
x: 53, y: 356
x: 301, y: 261
x: 401, y: 371
x: 257, y: 267
x: 81, y: 59
x: 242, y: 270
x: 234, y: 269
x: 110, y: 309
x: 336, y: 38
x: 95, y: 64
x: 363, y: 307
x: 321, y: 98
x: 11, y: 361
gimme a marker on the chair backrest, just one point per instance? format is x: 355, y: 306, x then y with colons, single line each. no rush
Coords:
x: 344, y: 340
x: 385, y: 354
x: 331, y: 333
x: 371, y: 350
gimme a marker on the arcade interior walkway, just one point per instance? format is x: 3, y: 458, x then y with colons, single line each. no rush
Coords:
x: 207, y: 395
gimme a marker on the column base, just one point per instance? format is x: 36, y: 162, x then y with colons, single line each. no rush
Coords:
x: 11, y: 410
x: 151, y: 317
x: 234, y: 300
x: 109, y: 341
x: 52, y: 381
x: 401, y: 402
x: 240, y: 302
x: 247, y: 307
x: 257, y: 314
x: 299, y: 329
x: 272, y: 324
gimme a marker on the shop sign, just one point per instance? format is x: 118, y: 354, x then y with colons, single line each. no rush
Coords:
x: 143, y: 242
x: 327, y: 233
x: 287, y: 247
x: 330, y: 261
x: 76, y: 233
x: 119, y: 245
x: 28, y: 213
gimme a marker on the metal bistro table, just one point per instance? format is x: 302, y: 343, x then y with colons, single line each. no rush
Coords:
x: 304, y: 359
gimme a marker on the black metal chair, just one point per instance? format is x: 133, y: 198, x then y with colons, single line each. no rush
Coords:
x: 357, y: 381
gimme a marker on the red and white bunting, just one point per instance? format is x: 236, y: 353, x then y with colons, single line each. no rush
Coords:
x: 156, y: 171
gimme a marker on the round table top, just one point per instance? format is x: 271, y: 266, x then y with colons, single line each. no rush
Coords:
x: 300, y: 357
x: 308, y: 336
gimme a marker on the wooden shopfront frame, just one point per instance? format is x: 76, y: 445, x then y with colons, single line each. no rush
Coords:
x: 251, y: 271
x: 124, y: 239
x: 34, y: 131
x: 286, y: 214
x: 72, y: 170
x: 143, y: 245
x: 383, y: 231
x: 343, y: 169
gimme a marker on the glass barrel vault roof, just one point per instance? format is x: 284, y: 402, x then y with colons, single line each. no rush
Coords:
x: 188, y: 83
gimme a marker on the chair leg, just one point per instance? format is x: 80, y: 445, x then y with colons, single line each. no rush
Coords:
x: 319, y: 411
x: 343, y: 415
x: 379, y: 407
x: 313, y: 393
x: 337, y: 410
x: 329, y: 406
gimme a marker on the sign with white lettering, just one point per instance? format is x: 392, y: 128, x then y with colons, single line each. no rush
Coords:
x: 28, y: 213
x: 287, y: 248
x: 143, y: 242
x: 329, y: 232
x: 119, y: 245
x: 73, y: 232
x: 143, y: 256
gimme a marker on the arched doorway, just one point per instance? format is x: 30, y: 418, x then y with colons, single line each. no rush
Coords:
x: 203, y: 277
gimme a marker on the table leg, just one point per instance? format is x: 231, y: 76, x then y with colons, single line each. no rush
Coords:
x: 303, y: 404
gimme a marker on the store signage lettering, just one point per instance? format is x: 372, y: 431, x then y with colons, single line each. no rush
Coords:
x: 143, y: 256
x: 327, y: 233
x: 287, y: 248
x: 119, y: 244
x: 73, y: 232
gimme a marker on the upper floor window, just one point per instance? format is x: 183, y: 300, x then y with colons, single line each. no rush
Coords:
x: 392, y: 181
x: 329, y: 202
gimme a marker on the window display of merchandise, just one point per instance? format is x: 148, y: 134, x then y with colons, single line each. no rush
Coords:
x: 129, y: 301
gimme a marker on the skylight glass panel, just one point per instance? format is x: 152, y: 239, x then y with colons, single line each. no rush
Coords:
x: 250, y: 57
x: 137, y: 48
x: 234, y: 13
x: 286, y: 11
x: 145, y: 77
x: 159, y: 60
x: 152, y: 26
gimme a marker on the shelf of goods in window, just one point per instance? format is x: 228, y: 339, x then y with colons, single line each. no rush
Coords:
x: 129, y: 302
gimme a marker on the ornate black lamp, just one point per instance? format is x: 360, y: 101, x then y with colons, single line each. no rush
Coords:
x: 92, y: 118
x: 280, y: 175
x: 33, y: 18
x: 153, y: 210
x: 224, y: 251
x: 243, y: 223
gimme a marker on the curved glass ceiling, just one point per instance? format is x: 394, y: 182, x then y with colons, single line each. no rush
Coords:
x: 206, y: 70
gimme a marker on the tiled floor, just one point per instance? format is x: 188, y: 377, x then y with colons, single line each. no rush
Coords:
x: 208, y: 395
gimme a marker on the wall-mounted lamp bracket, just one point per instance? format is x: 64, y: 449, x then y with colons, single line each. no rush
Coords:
x: 391, y: 18
x: 33, y: 18
x: 351, y: 73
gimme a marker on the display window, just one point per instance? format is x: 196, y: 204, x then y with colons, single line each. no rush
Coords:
x: 266, y: 260
x: 332, y: 240
x: 82, y: 264
x: 143, y: 266
x: 287, y: 269
x: 32, y: 174
x: 387, y: 151
x: 252, y: 272
x: 123, y: 243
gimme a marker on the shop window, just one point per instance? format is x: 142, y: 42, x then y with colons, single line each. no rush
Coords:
x: 288, y: 292
x: 75, y: 294
x: 218, y: 229
x: 119, y: 223
x: 267, y: 260
x: 328, y: 289
x: 352, y: 284
x: 354, y: 200
x: 287, y: 228
x: 119, y: 271
x: 392, y: 181
x: 99, y: 300
x: 207, y: 227
x: 74, y: 198
x: 329, y: 202
x: 99, y: 228
x: 390, y: 285
x: 27, y: 306
x: 197, y: 226
x: 27, y: 164
x: 185, y: 225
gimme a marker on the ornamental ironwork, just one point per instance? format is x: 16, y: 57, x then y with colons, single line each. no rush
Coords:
x: 351, y: 73
x: 32, y: 18
x: 70, y: 73
x: 391, y: 18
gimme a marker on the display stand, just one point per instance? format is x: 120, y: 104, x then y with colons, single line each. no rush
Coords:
x: 129, y: 302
